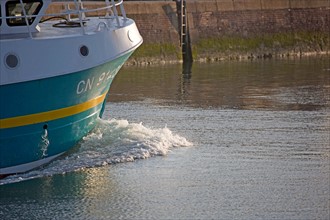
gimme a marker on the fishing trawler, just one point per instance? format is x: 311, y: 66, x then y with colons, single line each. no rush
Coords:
x: 56, y: 71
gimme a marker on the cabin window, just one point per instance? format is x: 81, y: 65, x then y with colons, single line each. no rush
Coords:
x: 15, y: 9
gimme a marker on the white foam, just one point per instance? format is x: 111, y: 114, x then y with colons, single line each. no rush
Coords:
x: 112, y: 141
x: 116, y: 141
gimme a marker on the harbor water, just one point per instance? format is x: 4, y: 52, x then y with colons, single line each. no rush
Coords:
x: 227, y: 140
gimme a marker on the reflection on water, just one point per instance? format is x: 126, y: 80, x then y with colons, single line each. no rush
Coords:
x: 301, y: 84
x: 260, y: 148
x: 57, y: 197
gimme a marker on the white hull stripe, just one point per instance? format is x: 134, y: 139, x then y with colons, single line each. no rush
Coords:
x: 27, y: 166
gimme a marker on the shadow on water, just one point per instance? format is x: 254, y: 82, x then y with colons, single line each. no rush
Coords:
x: 293, y: 84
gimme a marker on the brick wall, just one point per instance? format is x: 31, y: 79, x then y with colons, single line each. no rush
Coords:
x: 158, y: 20
x: 232, y: 18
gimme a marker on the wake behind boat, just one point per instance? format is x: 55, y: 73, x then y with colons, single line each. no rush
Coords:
x: 55, y: 75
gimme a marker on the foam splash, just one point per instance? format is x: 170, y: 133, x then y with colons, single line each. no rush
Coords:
x: 112, y: 141
x: 118, y: 141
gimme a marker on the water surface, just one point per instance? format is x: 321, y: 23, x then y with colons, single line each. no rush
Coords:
x: 229, y: 140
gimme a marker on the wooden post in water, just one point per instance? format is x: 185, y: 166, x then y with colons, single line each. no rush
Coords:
x: 184, y: 32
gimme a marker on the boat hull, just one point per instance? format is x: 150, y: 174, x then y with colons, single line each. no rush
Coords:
x: 41, y: 119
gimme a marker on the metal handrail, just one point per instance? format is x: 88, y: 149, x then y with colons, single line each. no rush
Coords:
x: 78, y: 11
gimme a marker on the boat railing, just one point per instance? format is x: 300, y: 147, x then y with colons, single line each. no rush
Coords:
x: 77, y: 14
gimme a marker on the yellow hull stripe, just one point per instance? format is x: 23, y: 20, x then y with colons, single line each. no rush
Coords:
x: 51, y: 115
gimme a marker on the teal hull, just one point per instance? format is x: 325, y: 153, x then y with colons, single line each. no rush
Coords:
x: 42, y: 119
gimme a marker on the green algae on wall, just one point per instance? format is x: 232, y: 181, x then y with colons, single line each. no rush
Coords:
x: 237, y: 47
x: 262, y: 46
x: 149, y: 53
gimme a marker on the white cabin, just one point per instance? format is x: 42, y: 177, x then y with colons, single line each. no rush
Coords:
x: 14, y: 19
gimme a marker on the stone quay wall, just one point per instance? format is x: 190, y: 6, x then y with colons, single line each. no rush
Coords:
x: 231, y: 29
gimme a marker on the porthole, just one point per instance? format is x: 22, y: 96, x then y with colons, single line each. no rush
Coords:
x: 11, y: 61
x: 84, y: 51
